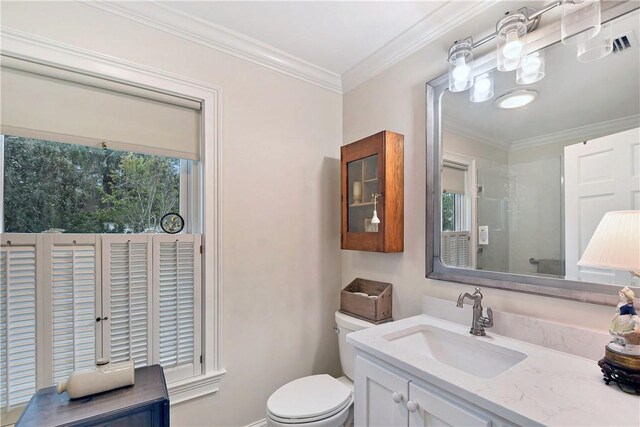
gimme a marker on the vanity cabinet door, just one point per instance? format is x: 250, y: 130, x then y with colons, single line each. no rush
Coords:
x: 381, y: 396
x: 429, y: 408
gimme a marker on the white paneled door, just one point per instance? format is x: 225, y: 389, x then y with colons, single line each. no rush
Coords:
x: 601, y: 175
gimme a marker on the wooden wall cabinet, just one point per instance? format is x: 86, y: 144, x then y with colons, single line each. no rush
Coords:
x: 373, y: 166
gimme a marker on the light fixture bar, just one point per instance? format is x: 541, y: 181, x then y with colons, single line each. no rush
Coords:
x: 530, y: 19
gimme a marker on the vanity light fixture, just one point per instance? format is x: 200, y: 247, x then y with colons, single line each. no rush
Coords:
x: 511, y: 37
x: 482, y: 88
x: 461, y: 65
x: 532, y: 69
x: 581, y: 22
x: 516, y: 99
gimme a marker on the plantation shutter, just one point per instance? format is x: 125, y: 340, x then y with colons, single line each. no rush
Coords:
x: 17, y: 325
x: 455, y: 248
x: 176, y: 274
x: 127, y: 297
x: 73, y: 304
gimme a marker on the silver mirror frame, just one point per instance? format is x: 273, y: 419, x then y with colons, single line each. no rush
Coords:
x: 560, y: 288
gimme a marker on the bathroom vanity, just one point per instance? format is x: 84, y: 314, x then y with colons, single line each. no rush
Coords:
x: 427, y: 371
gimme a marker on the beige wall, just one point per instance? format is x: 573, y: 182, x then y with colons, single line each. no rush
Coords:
x: 281, y: 200
x: 395, y: 100
x: 281, y: 255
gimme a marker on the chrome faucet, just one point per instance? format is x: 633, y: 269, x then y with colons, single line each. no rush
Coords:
x: 479, y: 322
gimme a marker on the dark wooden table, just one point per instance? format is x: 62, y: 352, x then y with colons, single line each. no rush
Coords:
x: 146, y: 403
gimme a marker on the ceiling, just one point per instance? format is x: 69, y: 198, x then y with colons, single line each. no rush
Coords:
x: 575, y: 100
x: 334, y: 35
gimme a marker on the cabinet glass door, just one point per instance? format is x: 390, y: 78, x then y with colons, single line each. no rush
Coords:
x: 362, y: 186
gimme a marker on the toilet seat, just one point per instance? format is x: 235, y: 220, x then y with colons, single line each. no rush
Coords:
x: 308, y: 400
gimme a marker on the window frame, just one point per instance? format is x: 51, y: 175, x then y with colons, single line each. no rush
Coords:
x: 209, y: 198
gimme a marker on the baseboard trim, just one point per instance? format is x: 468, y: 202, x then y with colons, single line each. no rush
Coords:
x: 259, y: 423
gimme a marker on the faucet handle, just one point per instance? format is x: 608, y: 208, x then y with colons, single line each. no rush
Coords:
x: 478, y: 292
x: 487, y: 322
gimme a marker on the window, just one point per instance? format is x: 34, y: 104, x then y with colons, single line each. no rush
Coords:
x: 456, y: 225
x: 454, y: 212
x: 118, y: 290
x: 80, y: 189
x: 134, y: 109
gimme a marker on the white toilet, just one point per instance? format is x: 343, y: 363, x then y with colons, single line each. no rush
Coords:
x: 319, y: 400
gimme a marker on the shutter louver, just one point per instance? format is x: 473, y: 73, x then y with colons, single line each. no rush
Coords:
x: 17, y: 325
x: 73, y: 283
x: 455, y: 248
x: 129, y: 297
x: 176, y: 269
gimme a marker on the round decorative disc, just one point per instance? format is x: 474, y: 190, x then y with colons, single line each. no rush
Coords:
x: 172, y: 223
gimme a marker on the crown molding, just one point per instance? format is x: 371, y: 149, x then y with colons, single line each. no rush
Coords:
x: 194, y: 29
x: 442, y: 20
x: 577, y: 134
x: 171, y: 21
x: 472, y: 135
x: 580, y: 133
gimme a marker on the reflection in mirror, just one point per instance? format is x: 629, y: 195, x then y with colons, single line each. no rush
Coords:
x: 524, y: 188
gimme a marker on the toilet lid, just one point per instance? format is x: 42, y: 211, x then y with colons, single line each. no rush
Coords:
x: 309, y: 397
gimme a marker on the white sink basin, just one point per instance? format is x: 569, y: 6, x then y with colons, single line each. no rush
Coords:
x: 473, y: 355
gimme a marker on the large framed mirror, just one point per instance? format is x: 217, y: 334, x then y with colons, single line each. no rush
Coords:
x: 517, y: 184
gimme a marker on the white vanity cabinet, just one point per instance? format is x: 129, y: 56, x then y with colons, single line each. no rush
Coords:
x: 387, y: 397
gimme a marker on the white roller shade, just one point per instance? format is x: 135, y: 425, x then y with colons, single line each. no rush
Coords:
x: 453, y: 178
x: 47, y: 103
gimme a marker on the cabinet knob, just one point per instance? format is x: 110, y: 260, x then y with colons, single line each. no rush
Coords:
x: 397, y: 397
x: 412, y: 406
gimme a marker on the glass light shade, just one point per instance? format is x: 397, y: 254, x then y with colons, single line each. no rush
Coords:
x: 482, y: 88
x: 598, y: 47
x: 614, y: 244
x: 581, y: 20
x: 461, y: 65
x: 532, y: 68
x: 511, y: 41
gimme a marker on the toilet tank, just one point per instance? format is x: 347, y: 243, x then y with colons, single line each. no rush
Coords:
x: 347, y: 324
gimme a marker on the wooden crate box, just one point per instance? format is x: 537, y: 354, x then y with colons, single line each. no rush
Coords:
x: 373, y: 307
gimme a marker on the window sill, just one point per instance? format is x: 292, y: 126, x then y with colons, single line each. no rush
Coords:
x: 182, y: 391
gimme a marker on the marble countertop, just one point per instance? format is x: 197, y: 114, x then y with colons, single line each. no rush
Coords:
x: 549, y: 387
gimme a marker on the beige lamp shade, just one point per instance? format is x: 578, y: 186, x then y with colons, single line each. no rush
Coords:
x: 616, y: 242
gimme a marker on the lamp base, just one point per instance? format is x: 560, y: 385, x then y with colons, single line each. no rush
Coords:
x: 621, y: 369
